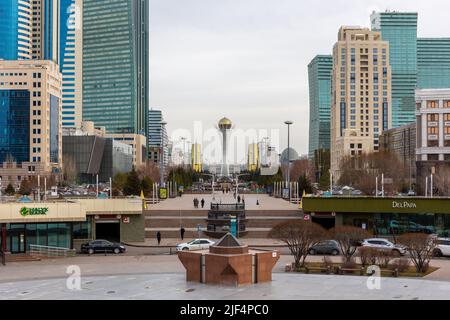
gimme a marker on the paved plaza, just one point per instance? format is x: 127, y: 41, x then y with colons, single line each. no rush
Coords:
x: 172, y: 286
x: 186, y: 202
x: 163, y: 277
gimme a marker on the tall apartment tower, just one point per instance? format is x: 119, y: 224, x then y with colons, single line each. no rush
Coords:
x: 71, y: 62
x: 320, y: 70
x: 15, y: 33
x: 361, y: 93
x: 433, y: 63
x: 115, y: 64
x: 400, y: 30
x: 46, y: 28
x: 30, y: 30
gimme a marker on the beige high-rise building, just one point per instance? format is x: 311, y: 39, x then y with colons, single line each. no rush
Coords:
x: 361, y: 94
x: 196, y: 157
x: 30, y: 120
x: 253, y: 161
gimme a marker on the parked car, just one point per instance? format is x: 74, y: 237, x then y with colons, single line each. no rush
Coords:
x: 325, y: 247
x: 196, y: 244
x: 442, y: 247
x: 102, y: 246
x: 384, y: 244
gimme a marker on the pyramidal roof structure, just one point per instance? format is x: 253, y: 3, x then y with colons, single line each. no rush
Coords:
x: 228, y: 241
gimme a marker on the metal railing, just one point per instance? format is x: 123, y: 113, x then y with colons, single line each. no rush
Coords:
x: 227, y: 207
x: 46, y: 251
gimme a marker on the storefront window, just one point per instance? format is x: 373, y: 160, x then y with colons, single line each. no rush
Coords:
x: 64, y: 235
x: 396, y: 224
x: 83, y: 230
x: 31, y: 235
x: 52, y: 234
x: 41, y: 234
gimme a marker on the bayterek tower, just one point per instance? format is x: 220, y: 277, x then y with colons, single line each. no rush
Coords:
x: 225, y: 127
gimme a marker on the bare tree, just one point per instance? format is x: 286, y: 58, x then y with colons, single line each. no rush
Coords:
x: 302, y: 167
x: 420, y: 246
x: 299, y: 236
x: 361, y: 171
x: 442, y: 181
x: 348, y: 238
x: 70, y: 169
x: 149, y: 169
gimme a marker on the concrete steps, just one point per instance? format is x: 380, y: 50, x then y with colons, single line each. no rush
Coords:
x: 176, y: 213
x: 272, y: 213
x: 259, y: 222
x: 192, y: 233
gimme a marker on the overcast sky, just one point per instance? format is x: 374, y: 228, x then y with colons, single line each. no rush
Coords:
x: 247, y: 59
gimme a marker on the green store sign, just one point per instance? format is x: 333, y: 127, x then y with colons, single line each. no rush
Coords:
x: 33, y: 211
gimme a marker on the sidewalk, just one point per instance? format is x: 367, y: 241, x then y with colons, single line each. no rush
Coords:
x: 172, y: 242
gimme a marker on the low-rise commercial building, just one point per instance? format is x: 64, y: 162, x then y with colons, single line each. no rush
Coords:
x: 88, y: 156
x: 70, y: 223
x: 382, y: 216
x: 138, y: 144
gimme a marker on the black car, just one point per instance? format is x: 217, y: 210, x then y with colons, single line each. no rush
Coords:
x: 325, y: 247
x: 102, y: 246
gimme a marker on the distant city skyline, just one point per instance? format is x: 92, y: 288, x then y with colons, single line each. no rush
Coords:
x: 248, y: 60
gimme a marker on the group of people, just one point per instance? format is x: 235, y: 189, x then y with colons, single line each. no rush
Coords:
x: 158, y: 236
x: 196, y: 202
x: 239, y: 199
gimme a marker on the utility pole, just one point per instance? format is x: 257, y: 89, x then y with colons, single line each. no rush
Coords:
x: 289, y: 123
x: 376, y: 186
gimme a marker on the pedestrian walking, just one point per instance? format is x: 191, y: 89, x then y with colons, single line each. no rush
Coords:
x: 158, y: 237
x: 182, y: 231
x: 203, y: 203
x: 196, y: 203
x: 239, y: 199
x: 243, y: 200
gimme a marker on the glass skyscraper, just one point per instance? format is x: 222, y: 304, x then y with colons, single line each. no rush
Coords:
x: 320, y: 72
x: 156, y: 134
x: 400, y: 29
x: 71, y: 62
x: 30, y: 30
x: 115, y: 64
x: 433, y: 63
x: 15, y: 32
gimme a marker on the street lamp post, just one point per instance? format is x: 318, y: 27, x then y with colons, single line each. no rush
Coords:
x: 289, y: 123
x: 163, y: 124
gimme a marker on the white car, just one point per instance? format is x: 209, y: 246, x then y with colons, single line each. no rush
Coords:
x: 196, y: 244
x: 442, y: 247
x: 384, y: 244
